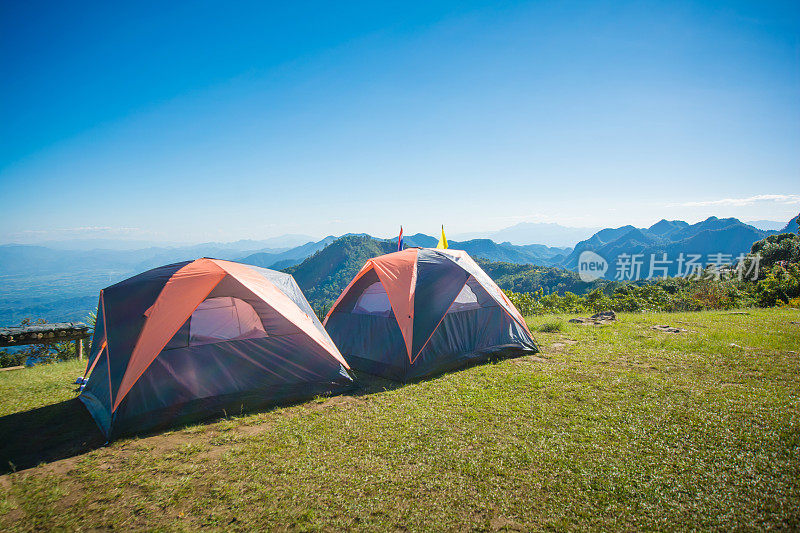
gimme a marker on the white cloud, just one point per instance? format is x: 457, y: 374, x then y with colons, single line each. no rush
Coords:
x: 788, y: 199
x: 30, y: 236
x: 84, y: 229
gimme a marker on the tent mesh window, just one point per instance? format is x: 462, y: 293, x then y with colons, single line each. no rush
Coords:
x: 224, y: 319
x: 373, y: 301
x: 465, y: 300
x: 471, y: 297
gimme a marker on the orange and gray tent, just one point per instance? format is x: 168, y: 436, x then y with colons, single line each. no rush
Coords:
x: 202, y: 338
x: 420, y: 312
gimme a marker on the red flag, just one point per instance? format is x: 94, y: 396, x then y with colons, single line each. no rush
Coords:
x: 400, y: 240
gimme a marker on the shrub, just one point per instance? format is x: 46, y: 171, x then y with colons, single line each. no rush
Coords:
x: 9, y: 359
x: 553, y: 326
x: 671, y: 295
x: 781, y: 285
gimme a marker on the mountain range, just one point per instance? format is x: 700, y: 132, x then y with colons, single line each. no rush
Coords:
x: 675, y: 238
x: 325, y: 274
x: 485, y: 248
x: 793, y: 226
x: 58, y: 284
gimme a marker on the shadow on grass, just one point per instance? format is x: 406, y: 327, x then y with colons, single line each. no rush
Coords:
x: 367, y: 384
x: 46, y: 434
x: 66, y: 429
x: 371, y: 383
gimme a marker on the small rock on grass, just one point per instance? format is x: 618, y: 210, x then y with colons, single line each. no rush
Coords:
x: 667, y: 328
x: 603, y: 317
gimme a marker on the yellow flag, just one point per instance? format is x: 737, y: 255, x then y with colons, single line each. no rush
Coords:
x: 443, y: 240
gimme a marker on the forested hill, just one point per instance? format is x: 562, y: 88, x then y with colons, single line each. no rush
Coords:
x: 530, y: 278
x: 326, y: 273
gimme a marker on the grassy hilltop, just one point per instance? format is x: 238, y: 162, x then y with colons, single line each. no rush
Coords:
x: 611, y: 427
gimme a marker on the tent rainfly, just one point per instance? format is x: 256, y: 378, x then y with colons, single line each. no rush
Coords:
x: 420, y: 312
x: 202, y: 338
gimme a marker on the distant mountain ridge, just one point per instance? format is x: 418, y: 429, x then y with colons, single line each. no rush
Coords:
x: 714, y: 235
x: 766, y: 224
x: 286, y: 258
x: 484, y: 248
x: 493, y: 251
x: 542, y: 233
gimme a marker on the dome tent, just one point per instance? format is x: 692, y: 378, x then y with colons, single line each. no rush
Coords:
x: 202, y: 338
x: 419, y: 312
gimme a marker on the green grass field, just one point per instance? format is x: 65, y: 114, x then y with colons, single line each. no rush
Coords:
x: 610, y: 427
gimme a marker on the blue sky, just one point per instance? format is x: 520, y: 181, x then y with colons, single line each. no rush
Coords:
x: 205, y: 121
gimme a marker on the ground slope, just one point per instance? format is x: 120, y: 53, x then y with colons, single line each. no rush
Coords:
x: 611, y: 427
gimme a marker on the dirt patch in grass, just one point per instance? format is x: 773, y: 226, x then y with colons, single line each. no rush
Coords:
x: 500, y: 523
x: 562, y: 344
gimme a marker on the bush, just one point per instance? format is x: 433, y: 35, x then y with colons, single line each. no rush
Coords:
x: 793, y: 303
x: 777, y: 248
x: 670, y: 295
x: 781, y: 285
x: 551, y: 327
x: 9, y: 359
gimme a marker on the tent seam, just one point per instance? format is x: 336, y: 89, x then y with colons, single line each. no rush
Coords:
x: 108, y: 352
x: 440, y: 321
x: 501, y: 303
